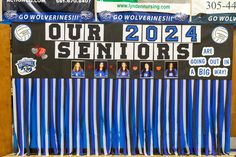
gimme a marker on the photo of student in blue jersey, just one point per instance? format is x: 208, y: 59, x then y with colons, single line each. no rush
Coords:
x: 146, y: 69
x: 171, y: 70
x: 123, y: 69
x: 77, y: 69
x: 101, y: 69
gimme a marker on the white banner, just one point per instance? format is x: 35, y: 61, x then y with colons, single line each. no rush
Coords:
x: 144, y: 7
x: 213, y: 6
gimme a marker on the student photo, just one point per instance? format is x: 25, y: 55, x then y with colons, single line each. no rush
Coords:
x: 146, y: 69
x: 123, y: 69
x: 101, y: 69
x: 77, y: 69
x: 171, y: 70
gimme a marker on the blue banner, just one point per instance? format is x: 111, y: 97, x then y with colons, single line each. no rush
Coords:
x: 48, y: 10
x: 145, y: 17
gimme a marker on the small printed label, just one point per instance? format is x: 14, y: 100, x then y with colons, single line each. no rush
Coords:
x: 220, y: 72
x: 214, y: 61
x: 208, y: 51
x: 204, y: 72
x: 198, y: 61
x: 226, y: 62
x: 192, y: 72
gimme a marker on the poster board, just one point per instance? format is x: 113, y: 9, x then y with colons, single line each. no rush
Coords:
x: 52, y: 50
x: 43, y: 56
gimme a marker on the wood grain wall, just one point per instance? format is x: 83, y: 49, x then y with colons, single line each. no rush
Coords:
x: 233, y: 111
x: 5, y: 92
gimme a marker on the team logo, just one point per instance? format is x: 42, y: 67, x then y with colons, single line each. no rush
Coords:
x: 26, y: 66
x: 22, y: 32
x: 181, y: 17
x: 106, y: 15
x: 220, y: 35
x: 11, y: 14
x: 86, y: 15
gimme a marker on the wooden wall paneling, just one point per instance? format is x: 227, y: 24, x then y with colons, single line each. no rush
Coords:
x: 233, y: 109
x: 5, y: 90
